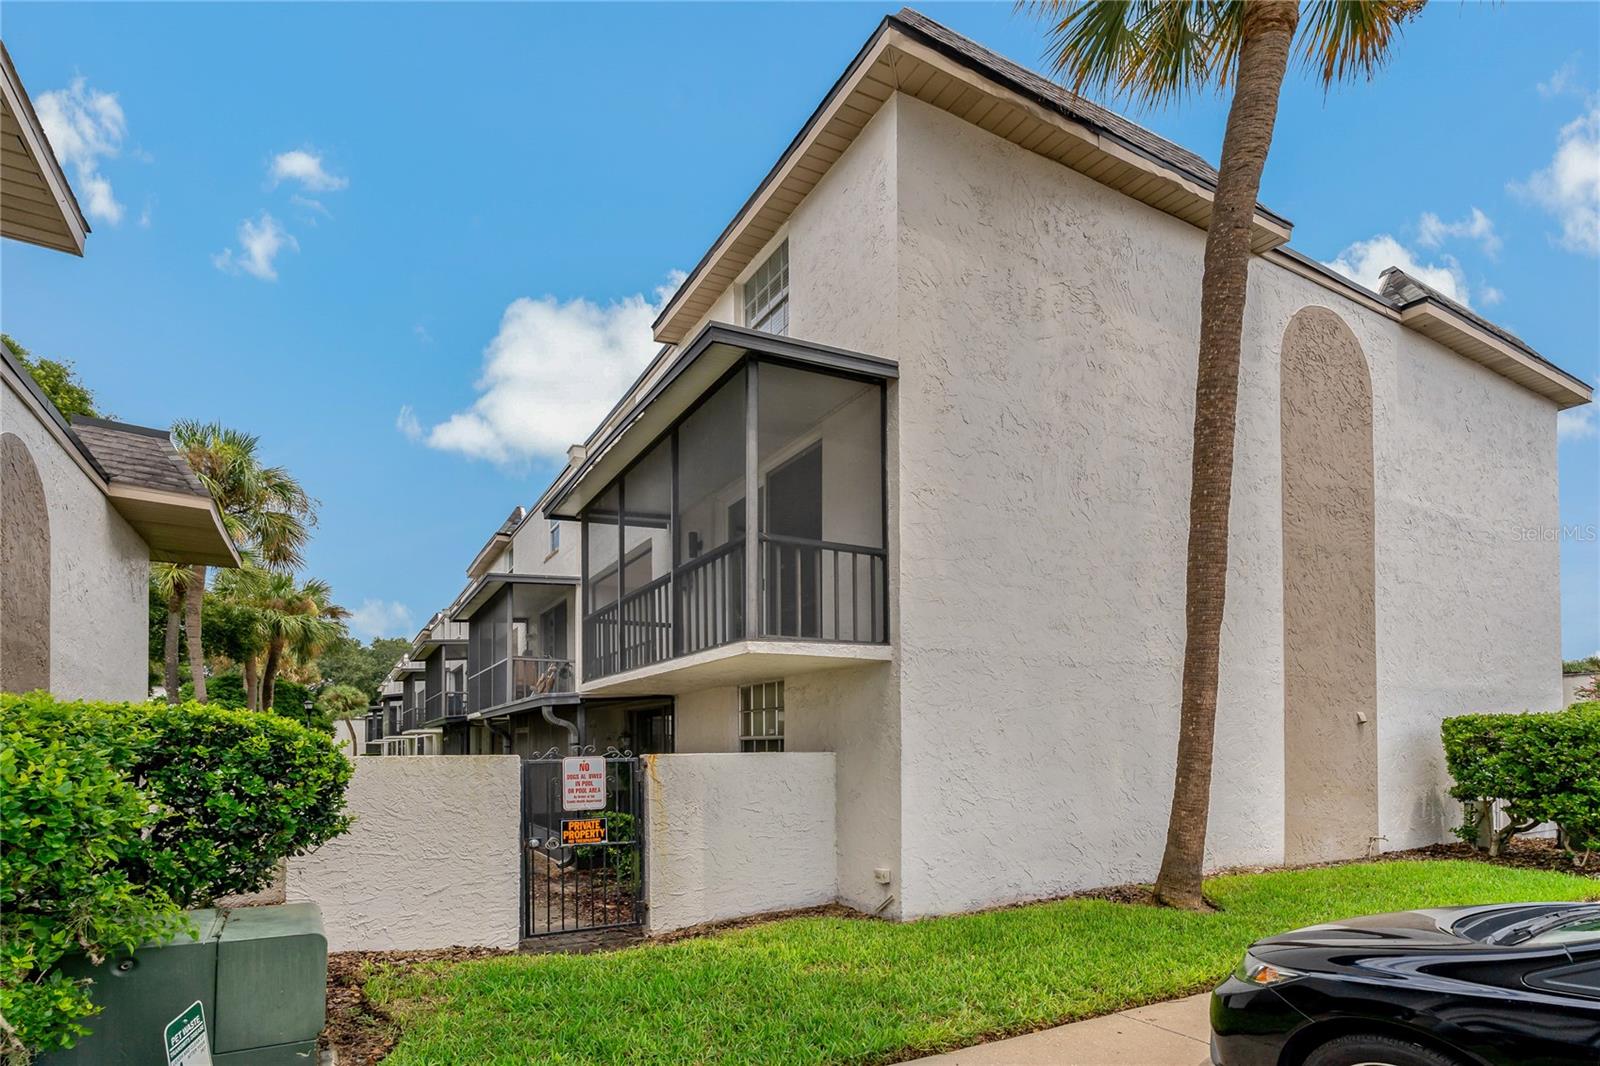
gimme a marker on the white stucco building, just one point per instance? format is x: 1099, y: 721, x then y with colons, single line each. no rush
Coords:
x: 85, y: 506
x: 908, y: 482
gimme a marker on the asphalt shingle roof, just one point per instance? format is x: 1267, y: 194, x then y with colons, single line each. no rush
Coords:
x: 137, y: 455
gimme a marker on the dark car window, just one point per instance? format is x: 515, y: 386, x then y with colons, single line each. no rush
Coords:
x: 1580, y: 980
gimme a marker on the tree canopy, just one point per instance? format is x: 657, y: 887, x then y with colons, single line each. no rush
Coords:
x: 56, y: 379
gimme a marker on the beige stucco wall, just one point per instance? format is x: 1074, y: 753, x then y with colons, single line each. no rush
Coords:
x: 432, y: 861
x: 99, y: 573
x: 733, y: 835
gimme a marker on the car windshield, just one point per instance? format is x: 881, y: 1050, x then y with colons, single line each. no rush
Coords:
x: 1571, y: 926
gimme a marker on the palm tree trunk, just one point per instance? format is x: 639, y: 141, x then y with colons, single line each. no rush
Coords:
x: 252, y: 684
x: 174, y: 628
x: 269, y: 674
x: 1264, y: 55
x: 194, y: 596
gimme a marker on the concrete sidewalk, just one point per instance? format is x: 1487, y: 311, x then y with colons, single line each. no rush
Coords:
x: 1175, y: 1033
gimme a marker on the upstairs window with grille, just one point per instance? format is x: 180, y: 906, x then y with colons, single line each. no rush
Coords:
x: 766, y: 294
x: 761, y: 717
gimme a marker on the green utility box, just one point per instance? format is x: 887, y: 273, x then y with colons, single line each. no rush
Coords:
x: 260, y: 974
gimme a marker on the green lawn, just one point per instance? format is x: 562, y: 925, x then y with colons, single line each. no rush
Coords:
x: 828, y: 990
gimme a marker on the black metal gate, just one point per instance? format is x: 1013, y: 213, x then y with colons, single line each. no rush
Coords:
x: 581, y: 869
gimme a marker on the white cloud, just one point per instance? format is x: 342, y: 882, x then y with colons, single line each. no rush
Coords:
x: 311, y: 207
x: 1432, y: 231
x: 305, y: 167
x: 85, y: 127
x: 420, y: 332
x: 1489, y: 296
x: 1569, y: 188
x: 1576, y: 423
x: 550, y: 374
x: 380, y: 618
x: 1564, y: 80
x: 406, y: 422
x: 1364, y: 261
x: 260, y: 241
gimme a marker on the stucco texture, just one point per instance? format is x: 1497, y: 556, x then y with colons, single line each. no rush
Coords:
x: 1022, y: 743
x: 1329, y: 624
x: 433, y: 859
x: 99, y: 571
x: 730, y: 835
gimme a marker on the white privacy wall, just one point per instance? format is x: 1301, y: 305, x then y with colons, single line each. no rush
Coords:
x: 99, y: 574
x: 432, y: 861
x: 729, y: 835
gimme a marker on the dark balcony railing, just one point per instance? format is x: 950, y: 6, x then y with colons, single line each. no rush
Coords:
x: 821, y: 590
x: 444, y: 705
x: 711, y: 599
x: 410, y: 718
x: 517, y: 678
x: 810, y: 590
x: 646, y: 616
x: 374, y: 739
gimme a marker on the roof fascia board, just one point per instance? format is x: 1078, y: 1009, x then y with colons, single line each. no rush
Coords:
x: 44, y: 156
x: 26, y: 390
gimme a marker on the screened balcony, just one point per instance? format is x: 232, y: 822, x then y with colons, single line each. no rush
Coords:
x: 756, y: 514
x: 519, y: 639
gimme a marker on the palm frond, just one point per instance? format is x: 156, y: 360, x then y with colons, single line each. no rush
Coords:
x: 1342, y: 39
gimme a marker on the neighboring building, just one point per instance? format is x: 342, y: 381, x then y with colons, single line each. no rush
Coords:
x: 909, y: 483
x: 84, y: 507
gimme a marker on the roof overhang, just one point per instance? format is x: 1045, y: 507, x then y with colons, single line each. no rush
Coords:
x: 715, y: 350
x: 178, y: 527
x: 1438, y: 322
x: 39, y: 206
x: 480, y: 591
x: 407, y: 667
x: 488, y: 554
x: 901, y: 58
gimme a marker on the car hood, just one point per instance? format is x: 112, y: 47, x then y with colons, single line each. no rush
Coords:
x: 1419, y: 928
x: 1435, y: 927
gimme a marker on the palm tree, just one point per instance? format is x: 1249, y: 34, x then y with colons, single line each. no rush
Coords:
x: 300, y: 622
x: 291, y: 622
x: 170, y: 582
x: 264, y: 509
x: 1155, y: 51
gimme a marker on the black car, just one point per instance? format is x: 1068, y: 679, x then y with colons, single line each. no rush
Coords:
x: 1457, y: 986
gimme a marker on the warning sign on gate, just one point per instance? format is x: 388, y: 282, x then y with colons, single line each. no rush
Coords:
x: 583, y: 784
x: 583, y: 831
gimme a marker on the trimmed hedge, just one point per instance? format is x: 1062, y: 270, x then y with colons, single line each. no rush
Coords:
x: 118, y: 816
x: 1542, y: 767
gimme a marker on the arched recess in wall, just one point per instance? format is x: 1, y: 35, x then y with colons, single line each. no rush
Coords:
x: 24, y: 571
x: 1330, y: 713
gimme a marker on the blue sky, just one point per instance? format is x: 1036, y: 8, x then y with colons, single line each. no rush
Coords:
x: 416, y: 248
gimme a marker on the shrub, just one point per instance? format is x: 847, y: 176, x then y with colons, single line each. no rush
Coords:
x: 114, y: 816
x: 1542, y: 767
x: 70, y: 823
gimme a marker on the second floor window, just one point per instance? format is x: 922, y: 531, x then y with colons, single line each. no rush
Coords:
x: 766, y: 294
x: 555, y: 535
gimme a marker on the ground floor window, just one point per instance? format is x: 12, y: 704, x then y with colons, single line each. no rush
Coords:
x: 761, y: 717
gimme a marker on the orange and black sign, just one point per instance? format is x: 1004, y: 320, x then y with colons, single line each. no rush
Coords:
x: 583, y: 831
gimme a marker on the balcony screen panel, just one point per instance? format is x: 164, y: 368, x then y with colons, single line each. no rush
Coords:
x: 646, y: 519
x: 820, y: 468
x: 600, y: 558
x: 711, y: 472
x: 709, y: 582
